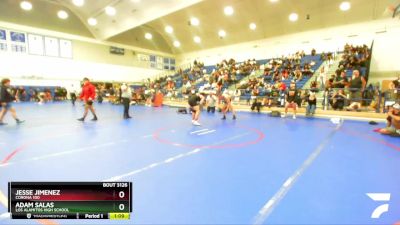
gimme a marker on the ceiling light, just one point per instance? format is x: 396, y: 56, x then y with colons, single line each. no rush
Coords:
x: 252, y: 26
x: 62, y: 14
x: 221, y: 33
x: 25, y: 5
x: 197, y: 39
x: 169, y: 29
x: 273, y: 1
x: 344, y: 6
x: 78, y: 2
x: 135, y: 1
x: 228, y: 10
x: 293, y: 17
x: 177, y: 44
x: 148, y: 36
x: 92, y: 21
x: 194, y: 21
x: 110, y: 11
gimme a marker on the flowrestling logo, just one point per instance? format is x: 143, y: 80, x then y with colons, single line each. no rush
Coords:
x: 384, y: 198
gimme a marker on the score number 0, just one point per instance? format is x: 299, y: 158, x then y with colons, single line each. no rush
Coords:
x: 121, y: 206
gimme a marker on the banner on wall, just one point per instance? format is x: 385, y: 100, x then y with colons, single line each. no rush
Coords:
x: 159, y: 61
x: 18, y: 42
x: 35, y: 44
x: 3, y: 36
x: 65, y: 48
x: 3, y: 40
x: 17, y: 37
x: 51, y: 46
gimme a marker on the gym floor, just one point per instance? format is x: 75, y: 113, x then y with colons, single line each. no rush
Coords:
x: 255, y: 170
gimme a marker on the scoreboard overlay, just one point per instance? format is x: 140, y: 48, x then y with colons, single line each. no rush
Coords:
x: 70, y: 200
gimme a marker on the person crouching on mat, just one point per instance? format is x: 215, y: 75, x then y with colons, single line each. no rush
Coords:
x: 291, y: 96
x: 226, y: 98
x: 194, y: 103
x: 393, y: 125
x: 5, y: 102
x: 88, y: 94
x: 126, y: 95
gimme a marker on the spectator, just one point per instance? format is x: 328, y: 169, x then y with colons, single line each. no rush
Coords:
x: 312, y: 104
x: 256, y: 105
x: 338, y: 100
x: 211, y: 101
x: 357, y: 86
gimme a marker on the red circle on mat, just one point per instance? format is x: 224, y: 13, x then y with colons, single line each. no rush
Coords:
x: 260, y: 137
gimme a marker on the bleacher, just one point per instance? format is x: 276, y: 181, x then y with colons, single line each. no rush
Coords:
x: 177, y: 78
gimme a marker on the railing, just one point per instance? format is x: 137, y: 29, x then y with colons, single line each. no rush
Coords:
x: 368, y: 100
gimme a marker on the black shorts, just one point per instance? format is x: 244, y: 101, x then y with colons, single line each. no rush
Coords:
x: 193, y: 104
x: 89, y: 102
x: 7, y: 107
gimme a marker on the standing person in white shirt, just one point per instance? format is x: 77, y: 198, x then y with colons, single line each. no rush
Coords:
x: 72, y: 94
x: 126, y: 95
x: 322, y: 76
x: 211, y: 101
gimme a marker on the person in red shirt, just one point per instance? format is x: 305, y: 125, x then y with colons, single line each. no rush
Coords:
x: 88, y: 94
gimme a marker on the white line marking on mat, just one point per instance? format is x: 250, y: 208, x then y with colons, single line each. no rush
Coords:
x: 267, y: 209
x: 171, y: 159
x: 59, y: 154
x: 198, y: 131
x: 207, y: 132
x: 5, y: 216
x: 147, y: 136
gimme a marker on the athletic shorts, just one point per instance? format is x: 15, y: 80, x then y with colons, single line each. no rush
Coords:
x: 393, y: 130
x: 193, y: 104
x: 292, y: 105
x: 89, y: 102
x: 8, y: 106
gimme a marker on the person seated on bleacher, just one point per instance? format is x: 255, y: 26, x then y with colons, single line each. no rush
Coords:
x: 34, y: 93
x: 341, y: 81
x: 256, y: 105
x: 272, y: 96
x: 393, y: 122
x: 311, y: 100
x: 338, y: 100
x: 298, y: 75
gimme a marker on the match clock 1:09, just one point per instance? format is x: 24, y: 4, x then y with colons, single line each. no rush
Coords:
x: 119, y: 216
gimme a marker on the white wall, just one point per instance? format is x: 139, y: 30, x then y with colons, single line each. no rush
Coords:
x: 386, y: 51
x: 91, y: 59
x: 49, y: 68
x: 329, y: 39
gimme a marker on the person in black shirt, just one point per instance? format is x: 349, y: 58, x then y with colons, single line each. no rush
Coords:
x: 312, y: 104
x: 5, y: 102
x: 338, y: 100
x: 291, y: 96
x: 194, y: 103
